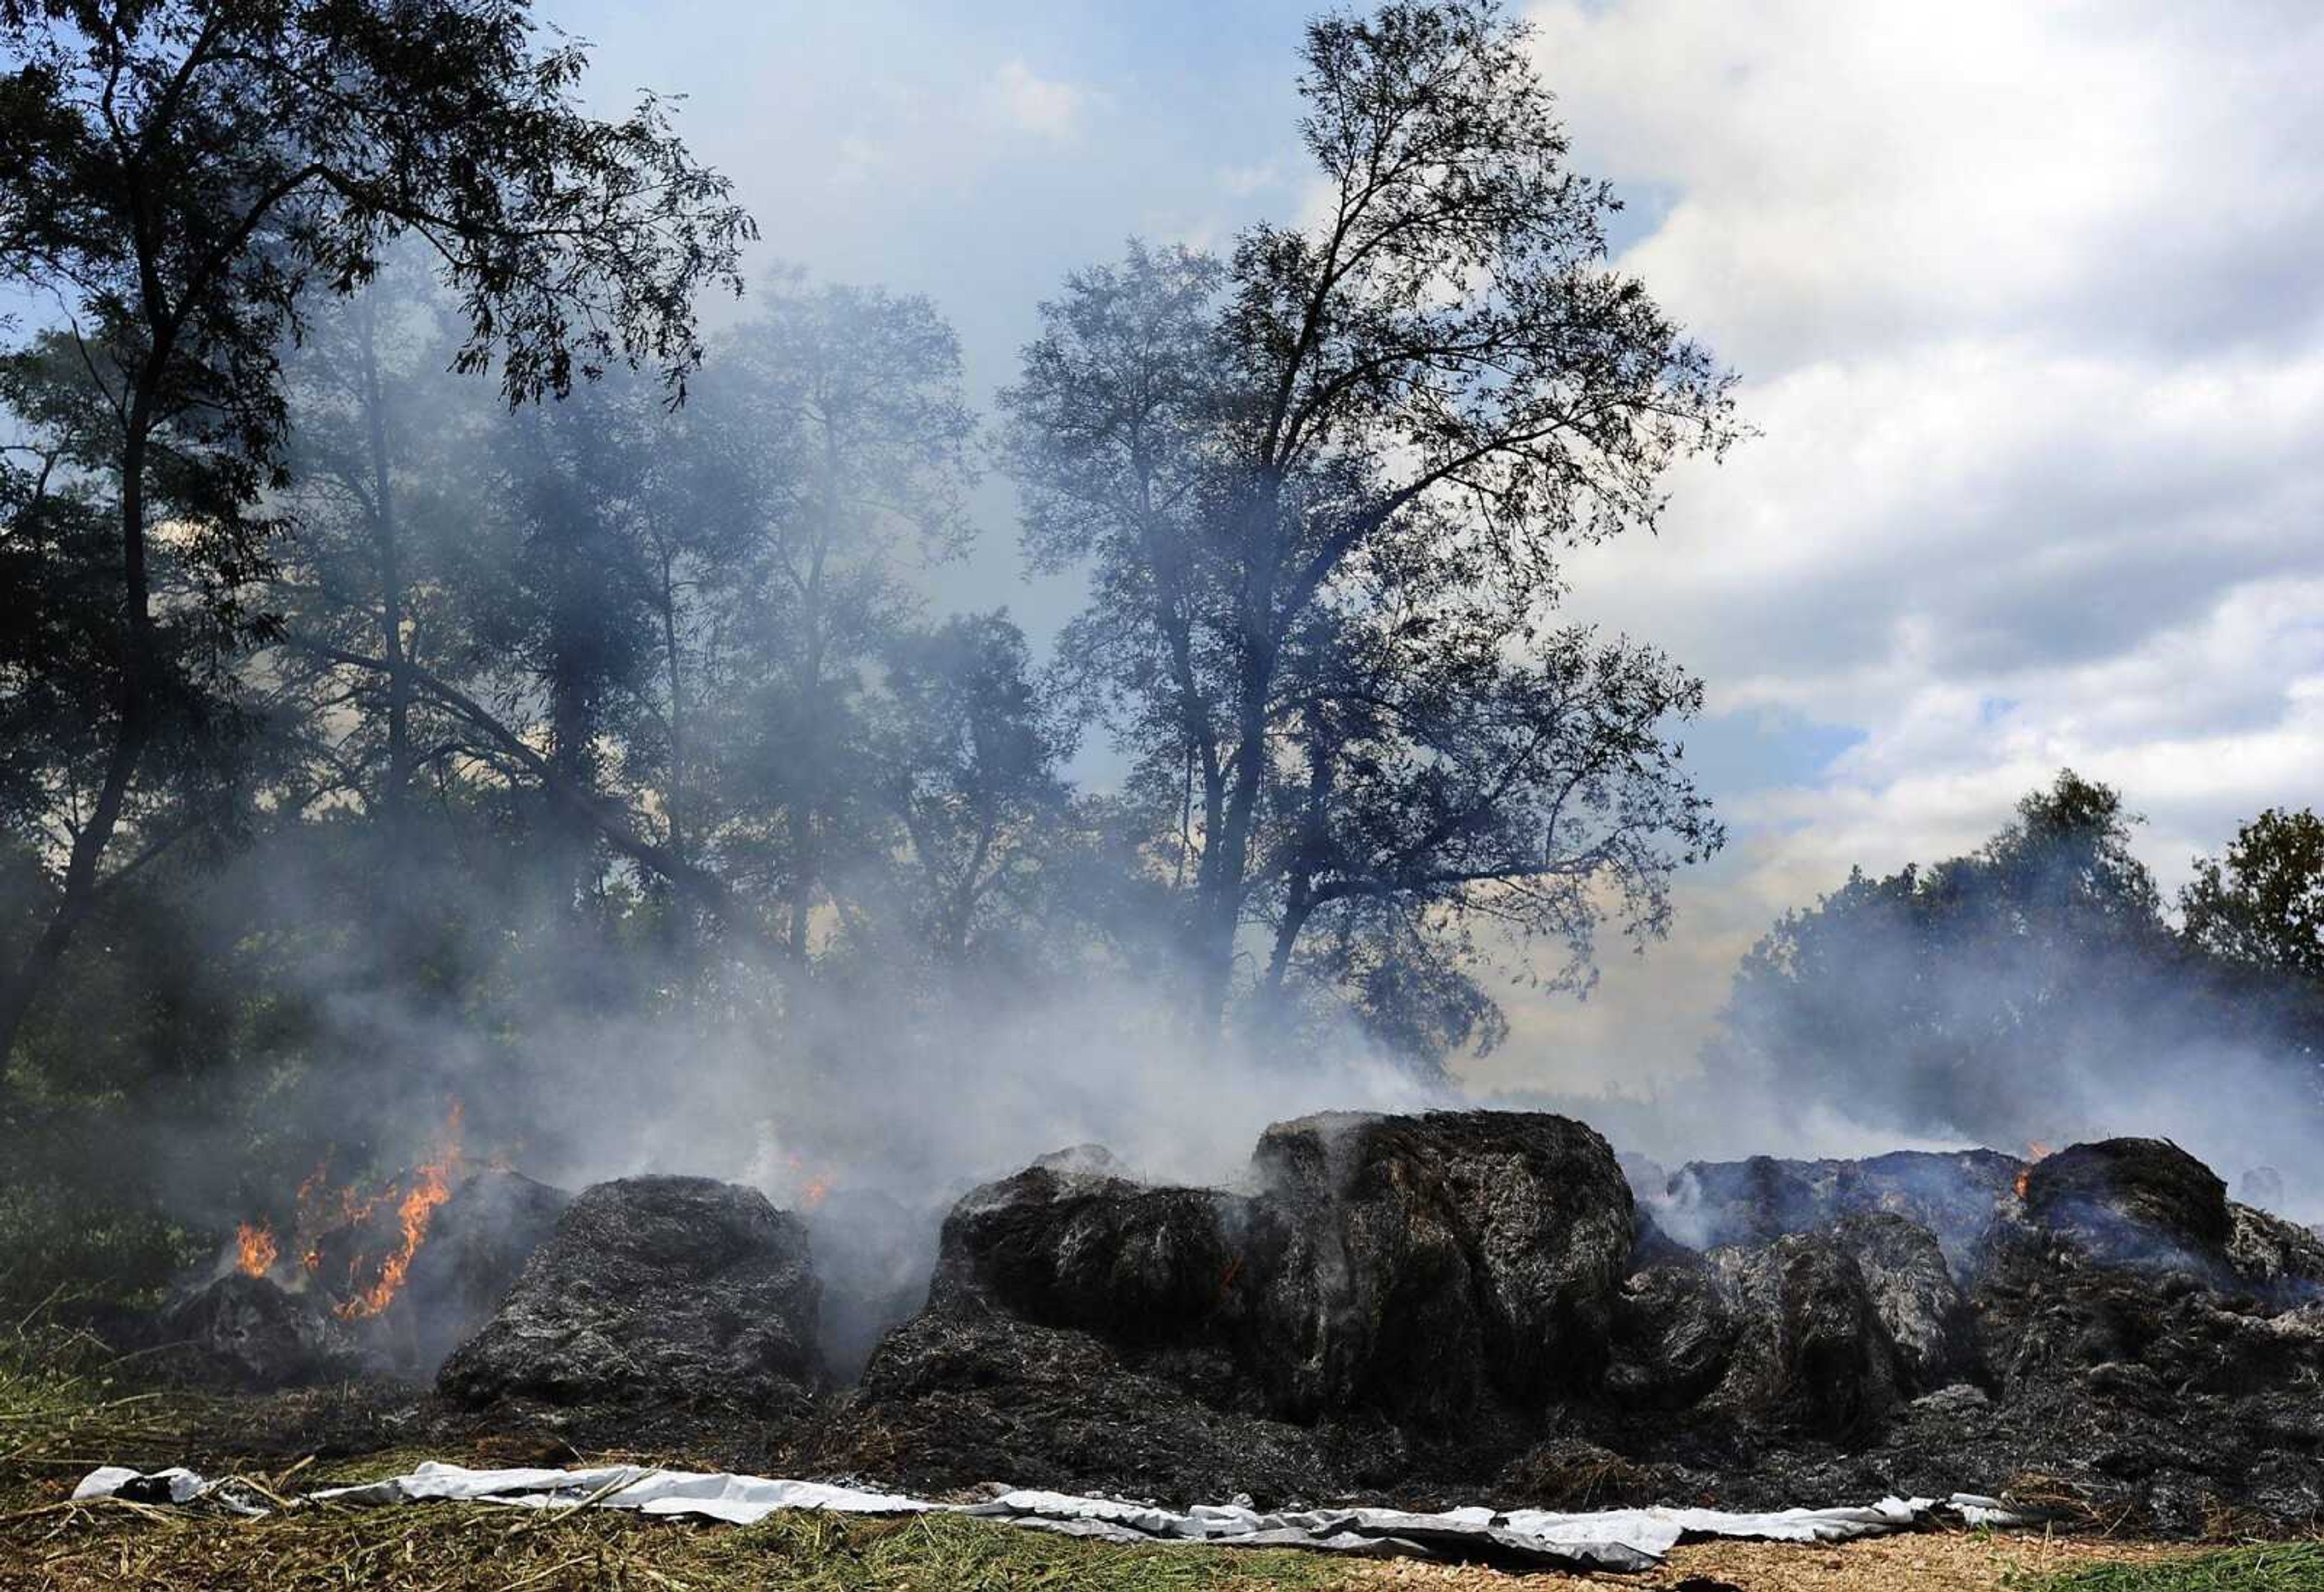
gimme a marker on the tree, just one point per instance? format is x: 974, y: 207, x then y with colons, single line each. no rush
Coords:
x: 2255, y: 919
x: 1968, y: 995
x: 181, y: 174
x: 382, y: 491
x: 2262, y: 905
x: 968, y: 760
x: 65, y: 649
x: 837, y: 434
x: 1451, y: 777
x: 1401, y: 416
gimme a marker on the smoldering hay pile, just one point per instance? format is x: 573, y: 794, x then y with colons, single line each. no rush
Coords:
x: 1477, y: 1308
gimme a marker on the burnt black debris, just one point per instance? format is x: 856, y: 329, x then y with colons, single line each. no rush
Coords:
x: 663, y: 1290
x: 1812, y: 1356
x: 1384, y: 1289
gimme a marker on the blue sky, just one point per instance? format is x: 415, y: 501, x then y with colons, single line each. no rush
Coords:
x: 2025, y: 298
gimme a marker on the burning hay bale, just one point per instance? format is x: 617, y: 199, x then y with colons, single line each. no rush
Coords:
x: 1922, y: 1308
x: 248, y: 1333
x: 1417, y: 1305
x: 2282, y: 1260
x: 1441, y: 1263
x: 955, y: 1397
x: 2142, y: 1203
x: 1434, y: 1301
x: 1674, y: 1331
x: 390, y: 1282
x: 676, y: 1290
x: 482, y: 1235
x: 1087, y: 1249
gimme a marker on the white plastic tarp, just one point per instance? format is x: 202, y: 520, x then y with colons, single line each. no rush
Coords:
x: 1618, y: 1539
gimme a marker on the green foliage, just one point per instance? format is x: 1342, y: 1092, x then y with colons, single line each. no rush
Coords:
x: 2262, y: 905
x: 371, y: 742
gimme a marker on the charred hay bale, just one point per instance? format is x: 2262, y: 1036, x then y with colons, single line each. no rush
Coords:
x: 2117, y: 1252
x: 654, y: 1289
x: 477, y: 1245
x: 2134, y: 1203
x: 1433, y: 1262
x: 1811, y: 1354
x: 1672, y: 1335
x: 2056, y: 1323
x: 955, y: 1397
x: 1063, y: 1248
x: 2282, y: 1261
x: 1917, y: 1300
x: 1717, y: 1203
x: 1956, y: 1195
x: 248, y: 1333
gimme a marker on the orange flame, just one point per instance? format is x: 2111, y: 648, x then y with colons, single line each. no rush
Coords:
x: 371, y: 1284
x: 432, y: 1186
x: 254, y: 1249
x: 2035, y: 1151
x: 813, y: 1192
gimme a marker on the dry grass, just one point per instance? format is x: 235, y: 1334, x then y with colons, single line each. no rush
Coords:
x: 1938, y: 1562
x: 452, y: 1546
x: 63, y: 1402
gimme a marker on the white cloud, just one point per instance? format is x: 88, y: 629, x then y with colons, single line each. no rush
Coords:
x: 1031, y: 103
x: 2025, y: 305
x: 1855, y: 174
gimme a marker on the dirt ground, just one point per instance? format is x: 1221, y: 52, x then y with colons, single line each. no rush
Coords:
x: 1959, y: 1561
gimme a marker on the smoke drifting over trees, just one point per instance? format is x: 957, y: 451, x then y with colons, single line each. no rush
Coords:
x: 406, y: 696
x: 2033, y: 988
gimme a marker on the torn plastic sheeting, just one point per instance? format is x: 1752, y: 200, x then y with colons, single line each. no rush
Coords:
x: 742, y: 1500
x: 1622, y: 1539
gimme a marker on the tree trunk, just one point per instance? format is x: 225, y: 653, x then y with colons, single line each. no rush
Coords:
x: 395, y: 790
x: 396, y: 878
x: 673, y: 800
x: 131, y: 733
x: 802, y: 890
x: 1226, y: 856
x: 1299, y: 886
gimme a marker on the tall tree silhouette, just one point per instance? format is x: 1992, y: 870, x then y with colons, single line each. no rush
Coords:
x: 1400, y: 416
x: 179, y: 175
